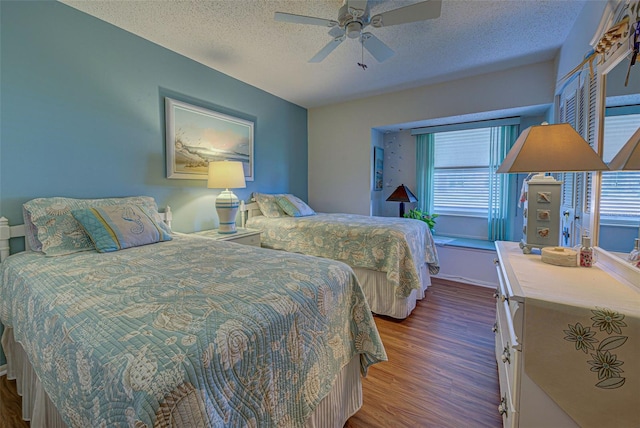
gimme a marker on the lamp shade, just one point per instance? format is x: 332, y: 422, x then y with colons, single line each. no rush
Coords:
x: 226, y: 175
x: 402, y: 194
x: 628, y: 158
x: 551, y: 148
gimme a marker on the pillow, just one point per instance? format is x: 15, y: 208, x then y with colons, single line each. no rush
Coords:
x: 268, y: 205
x: 116, y: 227
x: 294, y: 206
x: 58, y: 231
x: 31, y: 232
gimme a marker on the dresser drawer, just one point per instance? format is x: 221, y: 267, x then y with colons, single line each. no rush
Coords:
x: 506, y: 406
x: 507, y: 356
x: 507, y: 351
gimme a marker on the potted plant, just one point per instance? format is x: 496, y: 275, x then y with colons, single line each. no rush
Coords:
x: 430, y: 219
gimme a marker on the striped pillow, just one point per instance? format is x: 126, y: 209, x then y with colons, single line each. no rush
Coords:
x: 294, y: 206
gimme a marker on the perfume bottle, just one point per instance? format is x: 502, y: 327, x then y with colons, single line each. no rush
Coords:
x: 586, y: 252
x: 634, y: 255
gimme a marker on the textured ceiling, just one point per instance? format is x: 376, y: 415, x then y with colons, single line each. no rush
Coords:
x: 240, y: 38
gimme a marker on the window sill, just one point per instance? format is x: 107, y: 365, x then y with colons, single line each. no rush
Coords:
x: 451, y: 241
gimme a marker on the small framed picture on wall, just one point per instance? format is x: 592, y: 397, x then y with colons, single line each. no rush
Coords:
x: 378, y: 167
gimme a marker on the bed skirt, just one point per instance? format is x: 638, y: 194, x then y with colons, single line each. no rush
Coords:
x: 342, y: 402
x: 381, y: 296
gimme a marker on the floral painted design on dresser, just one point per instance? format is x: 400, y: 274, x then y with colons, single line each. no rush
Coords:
x: 603, y: 362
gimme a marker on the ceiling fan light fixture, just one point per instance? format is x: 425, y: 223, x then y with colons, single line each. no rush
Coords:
x: 353, y: 29
x: 354, y: 17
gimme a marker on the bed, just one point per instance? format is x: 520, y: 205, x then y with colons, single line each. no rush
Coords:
x: 181, y: 332
x: 393, y: 258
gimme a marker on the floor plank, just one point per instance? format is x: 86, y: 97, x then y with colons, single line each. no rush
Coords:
x: 441, y: 370
x: 10, y: 408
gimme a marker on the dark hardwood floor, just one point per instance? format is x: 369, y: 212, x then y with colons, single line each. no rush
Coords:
x: 441, y: 370
x: 10, y: 405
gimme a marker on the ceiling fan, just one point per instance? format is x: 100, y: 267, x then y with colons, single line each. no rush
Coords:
x: 353, y: 18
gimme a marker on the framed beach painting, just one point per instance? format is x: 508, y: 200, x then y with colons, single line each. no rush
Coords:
x: 378, y: 166
x: 197, y: 136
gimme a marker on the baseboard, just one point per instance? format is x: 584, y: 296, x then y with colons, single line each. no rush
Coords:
x: 3, y: 370
x: 465, y: 280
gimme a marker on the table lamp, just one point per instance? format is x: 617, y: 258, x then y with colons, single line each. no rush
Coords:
x: 547, y: 148
x: 226, y: 175
x: 628, y: 158
x: 402, y: 194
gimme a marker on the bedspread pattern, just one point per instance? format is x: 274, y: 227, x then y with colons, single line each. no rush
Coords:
x: 397, y: 246
x: 218, y: 333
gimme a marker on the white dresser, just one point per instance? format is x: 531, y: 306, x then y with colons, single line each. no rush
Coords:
x: 545, y: 370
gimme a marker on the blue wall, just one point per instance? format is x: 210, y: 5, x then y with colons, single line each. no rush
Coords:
x: 82, y: 115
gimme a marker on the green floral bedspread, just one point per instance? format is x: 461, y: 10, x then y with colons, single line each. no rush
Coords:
x: 220, y: 333
x: 397, y: 246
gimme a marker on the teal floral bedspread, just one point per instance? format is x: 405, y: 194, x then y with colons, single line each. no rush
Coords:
x: 397, y: 246
x: 190, y: 332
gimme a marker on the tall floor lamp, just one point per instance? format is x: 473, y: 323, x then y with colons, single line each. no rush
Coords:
x: 402, y: 194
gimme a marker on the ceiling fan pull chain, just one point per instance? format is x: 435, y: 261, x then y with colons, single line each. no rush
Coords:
x: 362, y: 64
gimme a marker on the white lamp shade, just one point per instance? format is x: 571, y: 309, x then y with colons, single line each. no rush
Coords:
x: 628, y: 158
x: 551, y: 148
x: 226, y: 175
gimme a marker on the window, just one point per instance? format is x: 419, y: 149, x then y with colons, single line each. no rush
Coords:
x: 456, y: 176
x: 620, y: 190
x: 461, y: 172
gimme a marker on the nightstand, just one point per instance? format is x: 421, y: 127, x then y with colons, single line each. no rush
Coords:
x: 242, y: 236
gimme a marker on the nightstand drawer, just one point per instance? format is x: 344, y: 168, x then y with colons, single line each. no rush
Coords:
x: 242, y: 236
x: 247, y: 240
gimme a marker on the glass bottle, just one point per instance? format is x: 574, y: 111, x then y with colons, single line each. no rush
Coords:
x: 586, y: 252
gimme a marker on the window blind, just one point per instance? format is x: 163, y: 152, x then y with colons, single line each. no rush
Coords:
x: 620, y: 190
x: 461, y: 172
x: 568, y: 115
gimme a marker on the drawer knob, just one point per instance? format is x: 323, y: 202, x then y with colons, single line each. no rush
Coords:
x: 496, y: 261
x: 502, y: 408
x: 506, y: 356
x: 496, y: 293
x: 495, y: 327
x: 503, y: 298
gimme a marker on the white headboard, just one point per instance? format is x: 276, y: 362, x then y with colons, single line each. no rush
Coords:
x: 7, y: 232
x: 253, y: 210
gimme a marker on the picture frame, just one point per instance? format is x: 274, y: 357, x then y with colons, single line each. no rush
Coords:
x: 196, y: 136
x: 378, y: 168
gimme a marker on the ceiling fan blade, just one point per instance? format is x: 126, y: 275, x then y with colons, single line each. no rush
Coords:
x: 336, y: 32
x: 300, y: 19
x: 376, y: 47
x: 325, y: 51
x: 422, y: 11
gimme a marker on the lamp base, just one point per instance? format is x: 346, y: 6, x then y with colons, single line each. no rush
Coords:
x: 541, y: 211
x: 227, y: 208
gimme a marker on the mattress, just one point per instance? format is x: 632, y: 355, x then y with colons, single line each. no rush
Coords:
x: 227, y: 334
x: 342, y: 402
x: 397, y: 246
